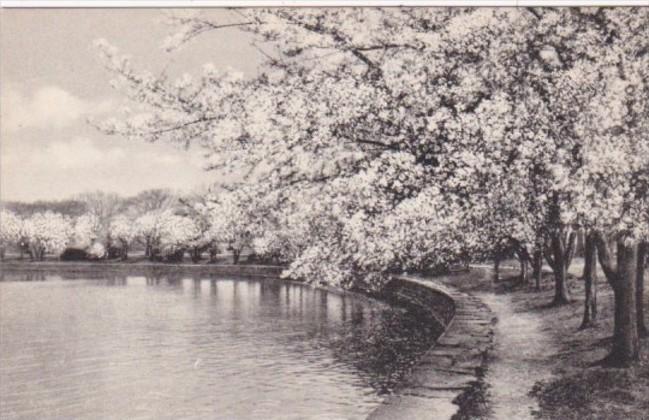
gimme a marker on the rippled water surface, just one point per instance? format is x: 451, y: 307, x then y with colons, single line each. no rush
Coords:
x: 175, y: 347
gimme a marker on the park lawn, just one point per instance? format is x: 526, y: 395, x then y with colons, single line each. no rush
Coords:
x: 580, y: 388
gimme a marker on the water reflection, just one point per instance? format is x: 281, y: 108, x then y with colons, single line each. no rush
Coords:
x: 165, y: 346
x: 22, y: 276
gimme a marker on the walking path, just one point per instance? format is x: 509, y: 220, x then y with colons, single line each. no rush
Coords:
x: 519, y: 359
x: 518, y: 352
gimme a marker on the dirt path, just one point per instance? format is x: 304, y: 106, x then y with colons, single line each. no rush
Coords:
x: 519, y: 359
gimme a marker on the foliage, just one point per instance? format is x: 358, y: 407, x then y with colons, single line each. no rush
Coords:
x: 123, y: 229
x: 11, y: 228
x: 149, y: 227
x: 177, y: 233
x: 96, y: 251
x: 87, y: 229
x: 231, y: 220
x: 47, y: 232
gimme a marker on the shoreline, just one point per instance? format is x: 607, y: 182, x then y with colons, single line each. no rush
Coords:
x: 240, y: 270
x: 447, y: 381
x: 442, y: 380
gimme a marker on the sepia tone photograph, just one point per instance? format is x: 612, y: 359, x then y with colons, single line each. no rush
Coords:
x: 328, y: 213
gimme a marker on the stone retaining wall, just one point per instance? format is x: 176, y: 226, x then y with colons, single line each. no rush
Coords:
x: 450, y: 371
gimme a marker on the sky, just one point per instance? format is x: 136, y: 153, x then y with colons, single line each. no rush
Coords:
x: 52, y: 81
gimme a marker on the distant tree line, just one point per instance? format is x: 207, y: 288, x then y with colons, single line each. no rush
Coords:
x: 99, y: 225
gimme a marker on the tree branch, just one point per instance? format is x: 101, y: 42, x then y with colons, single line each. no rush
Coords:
x: 378, y: 144
x: 569, y: 250
x: 547, y: 253
x: 605, y: 259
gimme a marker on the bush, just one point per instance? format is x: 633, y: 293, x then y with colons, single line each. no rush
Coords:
x: 96, y: 251
x: 74, y: 254
x: 114, y: 252
x: 175, y: 257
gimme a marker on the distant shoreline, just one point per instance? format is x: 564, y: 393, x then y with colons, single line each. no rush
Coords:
x: 140, y: 266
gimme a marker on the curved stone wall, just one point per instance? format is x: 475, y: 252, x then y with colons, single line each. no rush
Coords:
x: 451, y: 370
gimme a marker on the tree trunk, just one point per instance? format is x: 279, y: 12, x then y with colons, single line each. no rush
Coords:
x: 2, y: 253
x: 196, y: 254
x: 643, y: 250
x: 626, y: 340
x: 590, y: 282
x: 580, y: 246
x: 561, y: 292
x: 523, y: 262
x: 235, y: 256
x: 497, y: 268
x: 559, y: 259
x: 537, y: 268
x: 570, y: 248
x: 153, y: 253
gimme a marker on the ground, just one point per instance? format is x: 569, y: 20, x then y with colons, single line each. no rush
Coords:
x: 548, y: 358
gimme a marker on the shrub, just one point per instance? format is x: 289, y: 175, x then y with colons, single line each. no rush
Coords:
x: 74, y: 254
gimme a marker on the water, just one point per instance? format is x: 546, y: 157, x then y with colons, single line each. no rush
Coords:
x: 175, y: 347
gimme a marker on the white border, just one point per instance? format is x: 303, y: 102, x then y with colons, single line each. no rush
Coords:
x: 312, y: 3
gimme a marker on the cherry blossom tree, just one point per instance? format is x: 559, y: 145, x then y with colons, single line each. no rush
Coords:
x: 47, y: 233
x: 87, y: 230
x: 231, y: 222
x: 614, y: 182
x: 125, y: 231
x: 104, y: 206
x: 197, y: 207
x: 11, y: 230
x: 177, y: 234
x: 149, y: 228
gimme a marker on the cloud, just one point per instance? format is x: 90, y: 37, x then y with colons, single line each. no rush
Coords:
x: 64, y: 167
x: 78, y: 153
x: 47, y: 107
x: 73, y: 155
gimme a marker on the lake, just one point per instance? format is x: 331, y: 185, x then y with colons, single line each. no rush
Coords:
x: 102, y: 345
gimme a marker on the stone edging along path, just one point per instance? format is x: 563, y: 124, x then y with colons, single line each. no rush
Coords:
x: 448, y: 373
